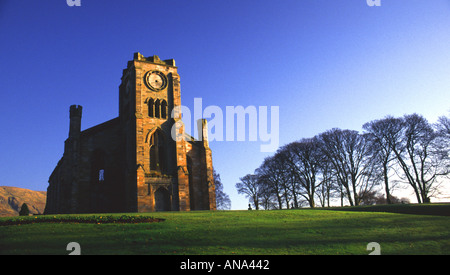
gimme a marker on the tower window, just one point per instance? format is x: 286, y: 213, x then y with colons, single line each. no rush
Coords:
x: 98, y: 163
x: 164, y: 109
x: 154, y: 161
x: 157, y: 108
x: 157, y: 157
x: 101, y: 175
x: 151, y: 107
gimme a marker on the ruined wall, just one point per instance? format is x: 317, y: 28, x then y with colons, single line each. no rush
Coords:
x: 131, y: 163
x: 101, y: 177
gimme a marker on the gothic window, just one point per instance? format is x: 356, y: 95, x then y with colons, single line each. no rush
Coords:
x: 151, y: 107
x: 101, y: 175
x: 98, y: 166
x: 157, y: 160
x: 157, y: 108
x: 164, y: 109
x: 154, y: 162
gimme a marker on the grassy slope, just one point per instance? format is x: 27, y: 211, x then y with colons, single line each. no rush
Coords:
x: 439, y: 209
x: 240, y: 232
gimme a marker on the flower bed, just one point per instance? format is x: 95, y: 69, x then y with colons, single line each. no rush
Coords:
x: 94, y: 219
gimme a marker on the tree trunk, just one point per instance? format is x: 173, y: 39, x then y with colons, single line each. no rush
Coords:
x: 386, y: 183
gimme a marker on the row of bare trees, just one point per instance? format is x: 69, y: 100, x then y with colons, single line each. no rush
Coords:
x: 353, y: 166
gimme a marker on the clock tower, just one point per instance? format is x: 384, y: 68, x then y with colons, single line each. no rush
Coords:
x: 158, y: 166
x: 132, y: 163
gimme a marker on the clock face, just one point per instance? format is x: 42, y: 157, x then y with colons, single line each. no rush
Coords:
x: 156, y: 80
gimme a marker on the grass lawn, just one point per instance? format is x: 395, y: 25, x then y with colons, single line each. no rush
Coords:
x: 302, y: 231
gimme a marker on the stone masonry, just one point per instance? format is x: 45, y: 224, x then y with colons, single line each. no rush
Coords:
x: 131, y: 163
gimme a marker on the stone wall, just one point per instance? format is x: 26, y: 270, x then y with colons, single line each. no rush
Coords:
x: 131, y: 163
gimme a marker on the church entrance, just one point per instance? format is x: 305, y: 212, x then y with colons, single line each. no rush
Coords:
x: 162, y: 200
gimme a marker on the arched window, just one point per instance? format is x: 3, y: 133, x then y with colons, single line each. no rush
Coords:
x: 101, y: 175
x: 98, y: 166
x: 157, y: 160
x: 151, y: 107
x: 157, y: 108
x: 154, y: 161
x: 164, y: 109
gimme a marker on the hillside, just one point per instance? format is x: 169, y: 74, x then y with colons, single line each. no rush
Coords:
x: 12, y: 198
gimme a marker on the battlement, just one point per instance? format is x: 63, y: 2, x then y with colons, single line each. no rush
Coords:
x: 131, y: 163
x: 154, y: 59
x: 75, y: 110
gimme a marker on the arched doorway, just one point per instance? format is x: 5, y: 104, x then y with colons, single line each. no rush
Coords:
x: 162, y: 199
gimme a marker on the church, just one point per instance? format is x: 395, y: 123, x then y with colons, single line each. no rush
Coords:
x: 132, y: 163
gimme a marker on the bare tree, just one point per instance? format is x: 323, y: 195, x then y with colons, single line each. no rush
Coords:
x: 273, y: 174
x: 303, y: 160
x: 350, y: 164
x: 250, y: 187
x: 268, y: 198
x: 349, y: 155
x: 328, y: 184
x: 443, y: 136
x: 421, y: 156
x: 383, y: 134
x: 443, y: 126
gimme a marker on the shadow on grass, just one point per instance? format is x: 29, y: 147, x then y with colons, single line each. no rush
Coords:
x: 277, y: 232
x: 438, y: 209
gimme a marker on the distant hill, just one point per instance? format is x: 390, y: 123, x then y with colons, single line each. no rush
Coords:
x: 12, y: 198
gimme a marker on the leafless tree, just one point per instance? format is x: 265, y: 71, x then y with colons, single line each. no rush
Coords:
x: 268, y: 198
x: 349, y: 154
x: 352, y: 165
x: 328, y: 184
x: 443, y: 126
x: 250, y: 187
x: 424, y: 159
x: 383, y: 134
x: 274, y: 175
x: 303, y: 158
x: 443, y: 139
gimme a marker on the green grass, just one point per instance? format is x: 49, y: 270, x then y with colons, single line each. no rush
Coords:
x: 303, y: 231
x: 439, y: 209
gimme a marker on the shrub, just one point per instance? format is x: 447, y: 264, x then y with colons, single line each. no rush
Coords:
x: 24, y: 211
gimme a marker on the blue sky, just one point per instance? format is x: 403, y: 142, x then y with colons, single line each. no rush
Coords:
x: 324, y: 63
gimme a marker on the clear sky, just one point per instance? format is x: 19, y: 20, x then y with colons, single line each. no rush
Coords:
x: 325, y: 64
